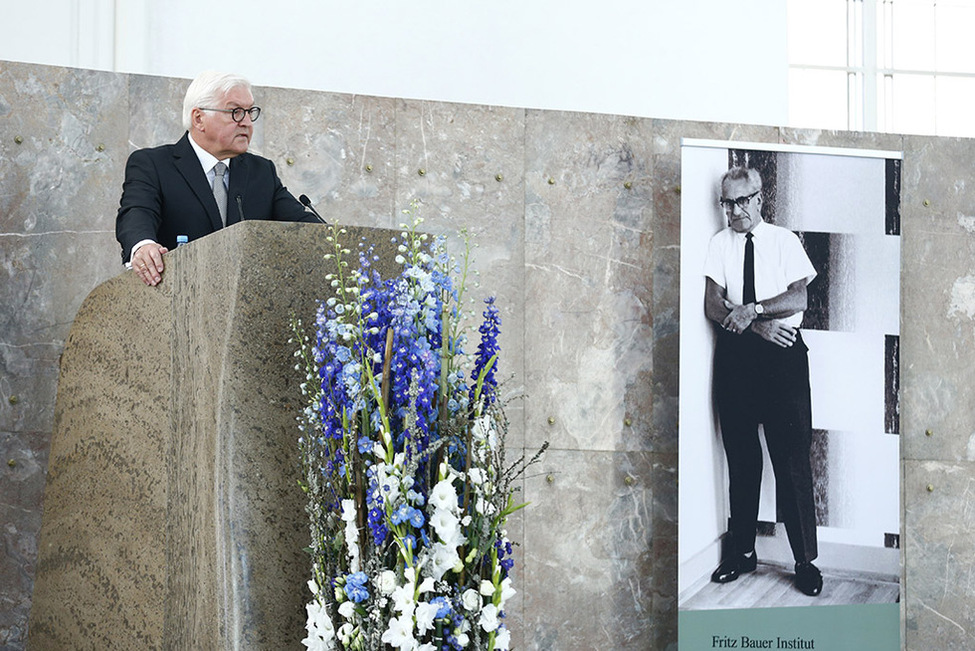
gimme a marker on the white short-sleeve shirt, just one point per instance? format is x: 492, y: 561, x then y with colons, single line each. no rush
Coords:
x: 780, y: 261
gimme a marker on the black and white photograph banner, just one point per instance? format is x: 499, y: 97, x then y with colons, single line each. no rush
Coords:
x: 789, y: 499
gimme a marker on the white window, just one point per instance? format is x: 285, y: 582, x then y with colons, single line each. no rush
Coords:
x: 903, y: 66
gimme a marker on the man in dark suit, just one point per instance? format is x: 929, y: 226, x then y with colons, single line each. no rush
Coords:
x: 755, y: 290
x: 204, y: 182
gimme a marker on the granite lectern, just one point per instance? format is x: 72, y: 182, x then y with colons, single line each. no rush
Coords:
x: 172, y: 514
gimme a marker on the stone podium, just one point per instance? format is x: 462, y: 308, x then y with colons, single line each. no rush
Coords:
x: 172, y: 513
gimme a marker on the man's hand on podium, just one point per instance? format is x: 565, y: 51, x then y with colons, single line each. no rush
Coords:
x: 147, y: 262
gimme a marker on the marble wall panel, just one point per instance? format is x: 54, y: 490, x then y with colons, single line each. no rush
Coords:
x: 340, y: 150
x: 155, y: 114
x: 588, y: 565
x: 588, y: 243
x: 58, y: 129
x: 24, y: 457
x: 938, y: 299
x: 939, y: 552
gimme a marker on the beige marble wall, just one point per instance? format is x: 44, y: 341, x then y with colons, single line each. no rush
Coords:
x: 577, y: 218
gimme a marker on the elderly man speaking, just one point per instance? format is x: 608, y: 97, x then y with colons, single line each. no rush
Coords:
x: 204, y: 182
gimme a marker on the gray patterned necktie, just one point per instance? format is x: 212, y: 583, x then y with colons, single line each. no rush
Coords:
x: 220, y: 190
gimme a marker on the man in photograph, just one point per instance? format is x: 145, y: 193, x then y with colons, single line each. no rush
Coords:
x: 755, y: 291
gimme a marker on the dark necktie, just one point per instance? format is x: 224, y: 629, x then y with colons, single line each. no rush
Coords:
x: 220, y: 190
x: 748, y: 291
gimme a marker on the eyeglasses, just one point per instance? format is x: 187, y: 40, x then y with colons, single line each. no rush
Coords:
x: 741, y: 202
x: 238, y: 113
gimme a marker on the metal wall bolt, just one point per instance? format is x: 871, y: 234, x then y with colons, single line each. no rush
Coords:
x: 12, y: 463
x: 551, y: 181
x: 628, y: 185
x: 551, y: 420
x: 18, y: 139
x: 928, y: 432
x: 498, y: 178
x: 421, y: 172
x: 627, y: 422
x: 100, y: 147
x: 629, y: 481
x: 930, y: 488
x: 13, y: 400
x: 550, y: 479
x: 926, y: 202
x: 289, y: 161
x: 368, y: 168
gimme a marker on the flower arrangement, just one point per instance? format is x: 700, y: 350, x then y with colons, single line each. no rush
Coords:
x: 404, y: 458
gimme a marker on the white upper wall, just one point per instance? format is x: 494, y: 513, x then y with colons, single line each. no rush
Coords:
x: 708, y: 60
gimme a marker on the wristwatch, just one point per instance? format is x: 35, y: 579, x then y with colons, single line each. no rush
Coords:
x: 759, y: 309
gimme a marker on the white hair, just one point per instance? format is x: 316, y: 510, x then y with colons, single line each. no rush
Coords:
x: 207, y: 89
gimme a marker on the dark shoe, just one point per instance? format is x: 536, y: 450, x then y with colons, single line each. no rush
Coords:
x: 809, y: 580
x: 733, y: 566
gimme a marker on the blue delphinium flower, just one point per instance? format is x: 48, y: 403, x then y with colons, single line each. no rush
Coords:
x: 504, y: 550
x: 355, y: 587
x: 486, y: 350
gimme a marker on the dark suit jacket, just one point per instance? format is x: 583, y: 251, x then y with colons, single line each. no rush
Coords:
x: 166, y: 193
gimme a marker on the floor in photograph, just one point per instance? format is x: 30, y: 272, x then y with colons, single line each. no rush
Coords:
x: 771, y: 585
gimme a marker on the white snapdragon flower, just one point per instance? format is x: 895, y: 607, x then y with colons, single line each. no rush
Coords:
x: 489, y: 618
x: 351, y: 533
x: 476, y: 475
x: 427, y: 585
x: 345, y: 633
x: 319, y: 627
x: 441, y: 558
x: 486, y: 588
x: 507, y: 590
x: 447, y: 526
x: 403, y: 600
x: 471, y: 600
x: 425, y: 614
x: 399, y: 634
x: 502, y: 640
x: 443, y: 496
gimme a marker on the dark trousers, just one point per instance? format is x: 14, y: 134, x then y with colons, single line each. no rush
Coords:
x: 759, y: 382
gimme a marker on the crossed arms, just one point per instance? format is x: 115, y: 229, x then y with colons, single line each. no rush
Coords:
x: 739, y: 318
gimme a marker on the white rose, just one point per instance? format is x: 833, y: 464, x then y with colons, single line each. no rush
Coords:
x: 386, y: 582
x: 347, y: 609
x: 471, y: 600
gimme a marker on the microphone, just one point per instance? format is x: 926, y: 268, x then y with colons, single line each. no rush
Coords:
x: 306, y: 202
